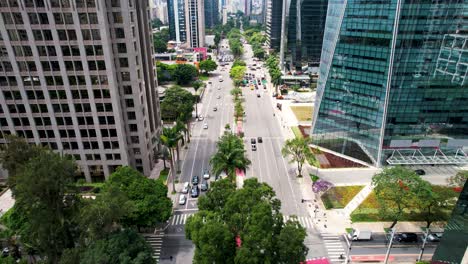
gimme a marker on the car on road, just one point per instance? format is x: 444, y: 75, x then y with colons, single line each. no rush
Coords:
x: 254, y: 147
x: 406, y: 237
x: 195, y: 192
x: 219, y: 96
x: 182, y: 199
x: 186, y: 187
x: 205, y: 126
x: 259, y: 139
x: 220, y: 79
x: 206, y: 174
x: 215, y: 109
x: 204, y: 186
x: 195, y: 180
x: 253, y: 141
x: 200, y: 118
x: 219, y: 87
x: 420, y: 172
x: 434, y: 237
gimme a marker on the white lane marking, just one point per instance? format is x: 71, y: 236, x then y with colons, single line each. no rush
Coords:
x: 173, y: 219
x: 289, y: 181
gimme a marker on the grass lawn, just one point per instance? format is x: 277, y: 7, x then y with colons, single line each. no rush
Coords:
x: 203, y: 77
x: 368, y: 211
x: 163, y: 176
x: 297, y: 132
x: 339, y: 196
x: 303, y: 113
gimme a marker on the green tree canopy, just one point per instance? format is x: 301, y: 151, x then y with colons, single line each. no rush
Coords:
x: 177, y: 103
x: 237, y: 73
x: 459, y: 179
x: 208, y: 66
x: 185, y: 73
x: 394, y: 188
x: 160, y: 40
x: 230, y: 154
x: 238, y: 63
x: 149, y: 197
x: 299, y: 150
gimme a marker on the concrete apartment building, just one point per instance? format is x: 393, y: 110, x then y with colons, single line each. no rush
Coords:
x: 78, y: 76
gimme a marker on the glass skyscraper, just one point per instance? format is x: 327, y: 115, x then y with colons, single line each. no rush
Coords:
x: 393, y: 76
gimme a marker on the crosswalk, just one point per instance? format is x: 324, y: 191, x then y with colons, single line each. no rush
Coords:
x: 305, y: 221
x: 334, y: 246
x: 155, y: 241
x: 180, y: 219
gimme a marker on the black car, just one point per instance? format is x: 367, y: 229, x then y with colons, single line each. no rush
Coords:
x: 204, y: 186
x: 195, y: 180
x: 259, y: 139
x: 252, y: 141
x: 406, y: 237
x: 195, y: 192
x: 420, y: 172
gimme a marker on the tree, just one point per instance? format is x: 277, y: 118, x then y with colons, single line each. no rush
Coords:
x: 178, y: 105
x: 170, y: 138
x: 103, y: 215
x: 393, y: 189
x: 46, y: 199
x: 217, y: 38
x: 291, y: 243
x: 216, y: 198
x: 149, y: 197
x: 15, y: 155
x: 125, y: 246
x: 299, y: 150
x: 236, y: 92
x: 230, y: 155
x: 259, y: 53
x: 197, y: 85
x: 160, y: 40
x: 208, y: 66
x: 459, y: 179
x: 185, y: 73
x: 156, y: 23
x: 238, y: 110
x: 433, y: 204
x: 237, y: 73
x: 238, y: 63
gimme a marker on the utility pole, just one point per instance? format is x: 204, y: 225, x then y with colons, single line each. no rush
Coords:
x: 424, y: 244
x: 349, y: 248
x: 389, y: 245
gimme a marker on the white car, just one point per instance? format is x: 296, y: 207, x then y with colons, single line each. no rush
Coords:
x: 219, y: 88
x: 186, y: 187
x: 219, y: 96
x: 205, y: 126
x: 200, y: 118
x: 182, y: 199
x: 206, y: 174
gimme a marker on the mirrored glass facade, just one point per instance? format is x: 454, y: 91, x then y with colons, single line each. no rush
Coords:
x: 391, y: 70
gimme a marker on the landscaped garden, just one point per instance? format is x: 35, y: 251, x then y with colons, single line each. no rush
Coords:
x: 368, y: 211
x: 163, y: 176
x: 338, y: 197
x: 303, y: 113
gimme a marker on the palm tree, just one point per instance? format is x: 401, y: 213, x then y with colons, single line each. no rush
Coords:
x: 170, y: 138
x: 229, y: 156
x: 180, y: 127
x: 299, y: 150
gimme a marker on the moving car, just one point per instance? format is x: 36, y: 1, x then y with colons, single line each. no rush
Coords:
x: 360, y: 235
x: 204, y: 186
x: 420, y: 172
x: 259, y: 139
x: 182, y: 199
x: 220, y: 79
x: 219, y: 96
x: 253, y: 141
x: 406, y: 237
x: 215, y: 108
x: 186, y: 187
x: 205, y: 126
x: 200, y: 118
x: 206, y: 174
x: 434, y: 237
x: 195, y: 192
x: 254, y: 147
x: 194, y: 180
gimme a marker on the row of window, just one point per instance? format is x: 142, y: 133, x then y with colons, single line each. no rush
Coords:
x: 63, y: 35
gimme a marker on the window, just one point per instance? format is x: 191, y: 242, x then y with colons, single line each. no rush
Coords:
x: 127, y: 89
x: 123, y: 62
x: 17, y: 18
x: 117, y: 17
x: 121, y: 48
x: 33, y: 19
x: 125, y: 76
x: 119, y: 33
x: 93, y: 18
x: 131, y: 115
x: 68, y: 17
x: 83, y: 18
x: 58, y: 18
x: 115, y: 3
x: 129, y: 103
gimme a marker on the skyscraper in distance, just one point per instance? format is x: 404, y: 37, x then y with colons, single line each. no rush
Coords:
x: 211, y: 13
x: 195, y: 23
x: 273, y: 23
x: 392, y: 86
x: 79, y: 77
x: 177, y: 20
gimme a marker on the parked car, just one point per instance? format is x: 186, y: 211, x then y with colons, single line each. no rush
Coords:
x: 434, y: 237
x: 204, y: 186
x: 205, y: 126
x: 206, y: 174
x: 253, y: 141
x: 195, y: 180
x: 406, y: 237
x: 259, y: 139
x: 420, y: 172
x: 200, y: 118
x: 254, y: 147
x: 195, y: 192
x: 182, y: 199
x: 360, y: 235
x: 186, y: 187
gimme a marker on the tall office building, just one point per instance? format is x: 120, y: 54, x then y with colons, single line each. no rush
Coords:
x: 211, y: 13
x: 79, y: 77
x: 273, y: 23
x: 393, y: 82
x: 177, y: 21
x: 305, y: 26
x: 195, y: 23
